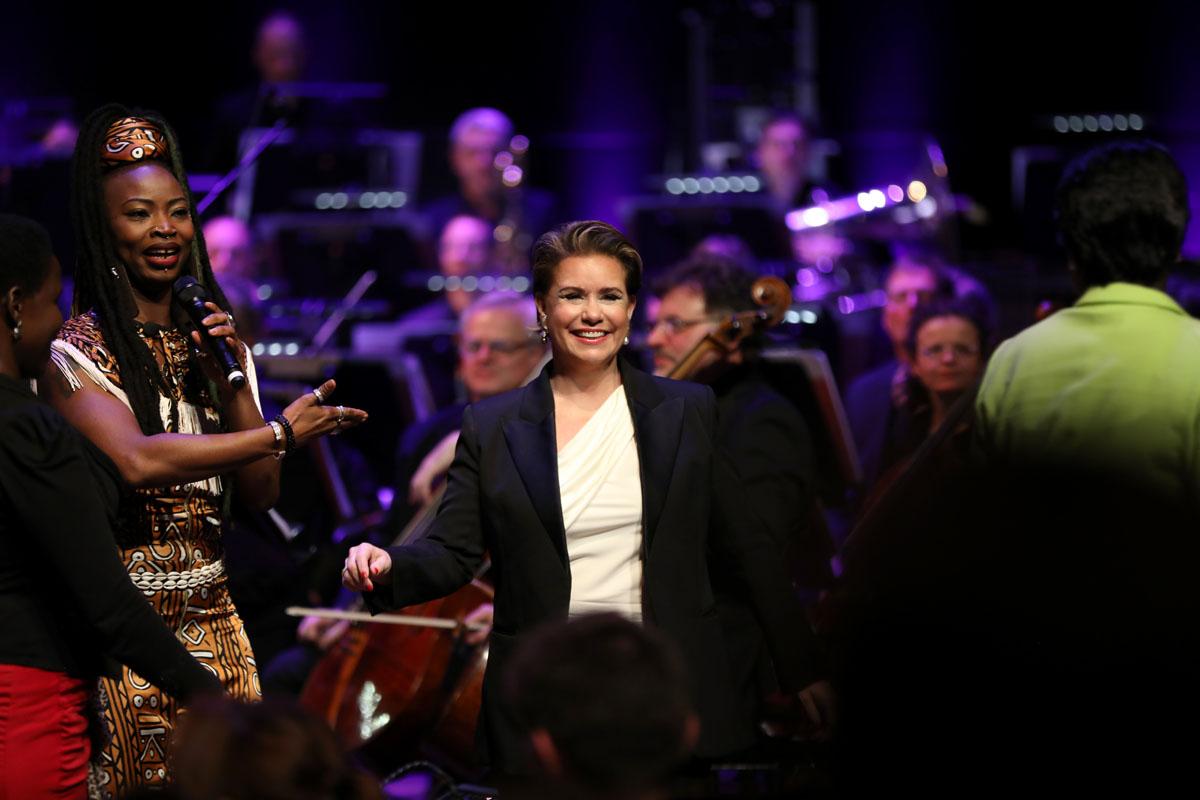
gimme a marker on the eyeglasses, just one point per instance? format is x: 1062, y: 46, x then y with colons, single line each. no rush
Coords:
x: 471, y: 347
x: 909, y: 297
x: 959, y: 350
x: 677, y: 325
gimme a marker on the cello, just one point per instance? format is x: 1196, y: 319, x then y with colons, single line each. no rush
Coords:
x: 409, y: 689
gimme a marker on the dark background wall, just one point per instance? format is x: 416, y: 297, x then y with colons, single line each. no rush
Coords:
x: 602, y: 88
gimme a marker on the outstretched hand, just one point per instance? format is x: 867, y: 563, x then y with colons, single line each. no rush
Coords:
x: 312, y: 416
x: 365, y: 563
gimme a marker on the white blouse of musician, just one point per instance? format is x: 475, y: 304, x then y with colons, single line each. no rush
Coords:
x: 599, y: 481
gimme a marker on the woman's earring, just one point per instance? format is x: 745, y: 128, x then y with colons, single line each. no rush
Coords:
x: 116, y: 274
x: 543, y: 335
x: 16, y: 331
x: 626, y: 340
x: 542, y: 328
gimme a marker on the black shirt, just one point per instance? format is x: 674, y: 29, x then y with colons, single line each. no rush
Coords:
x: 65, y: 597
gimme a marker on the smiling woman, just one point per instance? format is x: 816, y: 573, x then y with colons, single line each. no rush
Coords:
x: 596, y: 488
x: 134, y: 376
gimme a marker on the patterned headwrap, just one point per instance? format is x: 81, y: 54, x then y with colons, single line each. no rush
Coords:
x: 131, y: 140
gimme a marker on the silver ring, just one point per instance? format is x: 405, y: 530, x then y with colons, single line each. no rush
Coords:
x: 317, y: 394
x: 341, y: 414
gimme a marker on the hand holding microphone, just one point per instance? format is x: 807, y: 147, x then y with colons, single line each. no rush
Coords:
x: 220, y: 337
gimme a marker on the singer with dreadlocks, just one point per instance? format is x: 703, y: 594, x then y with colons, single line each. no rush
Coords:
x: 144, y: 382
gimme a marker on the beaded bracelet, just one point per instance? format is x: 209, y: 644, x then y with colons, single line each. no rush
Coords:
x: 287, y: 431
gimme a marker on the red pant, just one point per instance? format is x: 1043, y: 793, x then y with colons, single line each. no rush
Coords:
x: 44, y: 746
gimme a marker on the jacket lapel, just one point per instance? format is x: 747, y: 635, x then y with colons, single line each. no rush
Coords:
x: 531, y: 443
x: 657, y: 422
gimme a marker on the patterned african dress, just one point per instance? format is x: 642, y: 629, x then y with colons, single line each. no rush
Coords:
x: 170, y: 541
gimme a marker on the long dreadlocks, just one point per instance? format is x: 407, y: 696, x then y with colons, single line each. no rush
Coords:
x: 101, y: 283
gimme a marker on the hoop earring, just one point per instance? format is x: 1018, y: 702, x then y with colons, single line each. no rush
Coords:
x: 16, y: 331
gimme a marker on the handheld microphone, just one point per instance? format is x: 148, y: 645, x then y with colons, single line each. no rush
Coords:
x: 192, y: 296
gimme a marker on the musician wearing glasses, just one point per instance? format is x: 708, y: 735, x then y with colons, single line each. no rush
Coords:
x: 761, y: 432
x: 498, y: 350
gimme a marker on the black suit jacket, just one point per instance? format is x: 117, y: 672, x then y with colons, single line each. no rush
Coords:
x: 502, y: 498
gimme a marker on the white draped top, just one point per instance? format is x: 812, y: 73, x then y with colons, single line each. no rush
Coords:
x: 600, y: 484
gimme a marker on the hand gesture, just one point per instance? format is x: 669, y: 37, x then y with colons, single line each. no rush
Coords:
x: 311, y: 416
x: 365, y: 564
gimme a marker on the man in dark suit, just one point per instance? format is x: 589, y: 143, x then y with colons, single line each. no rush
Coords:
x: 762, y: 434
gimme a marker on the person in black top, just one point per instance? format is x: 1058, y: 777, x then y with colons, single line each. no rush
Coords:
x: 763, y: 435
x: 68, y: 605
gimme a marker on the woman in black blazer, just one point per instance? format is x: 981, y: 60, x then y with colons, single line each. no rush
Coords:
x: 503, y: 500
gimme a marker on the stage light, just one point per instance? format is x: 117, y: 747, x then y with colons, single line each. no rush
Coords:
x: 895, y: 193
x: 814, y: 217
x: 705, y: 185
x: 436, y: 283
x: 1089, y: 122
x: 470, y: 283
x: 399, y: 199
x: 808, y: 317
x: 752, y: 183
x: 675, y: 186
x: 736, y: 184
x: 487, y: 283
x: 721, y: 185
x: 291, y: 349
x: 917, y: 191
x: 512, y: 176
x: 691, y: 185
x: 1135, y: 122
x: 274, y: 349
x: 502, y: 160
x: 1060, y: 124
x: 1076, y: 123
x: 520, y: 284
x: 927, y: 208
x: 864, y: 201
x: 367, y: 200
x: 877, y: 198
x: 324, y: 201
x: 339, y: 200
x: 1106, y: 123
x: 1121, y: 122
